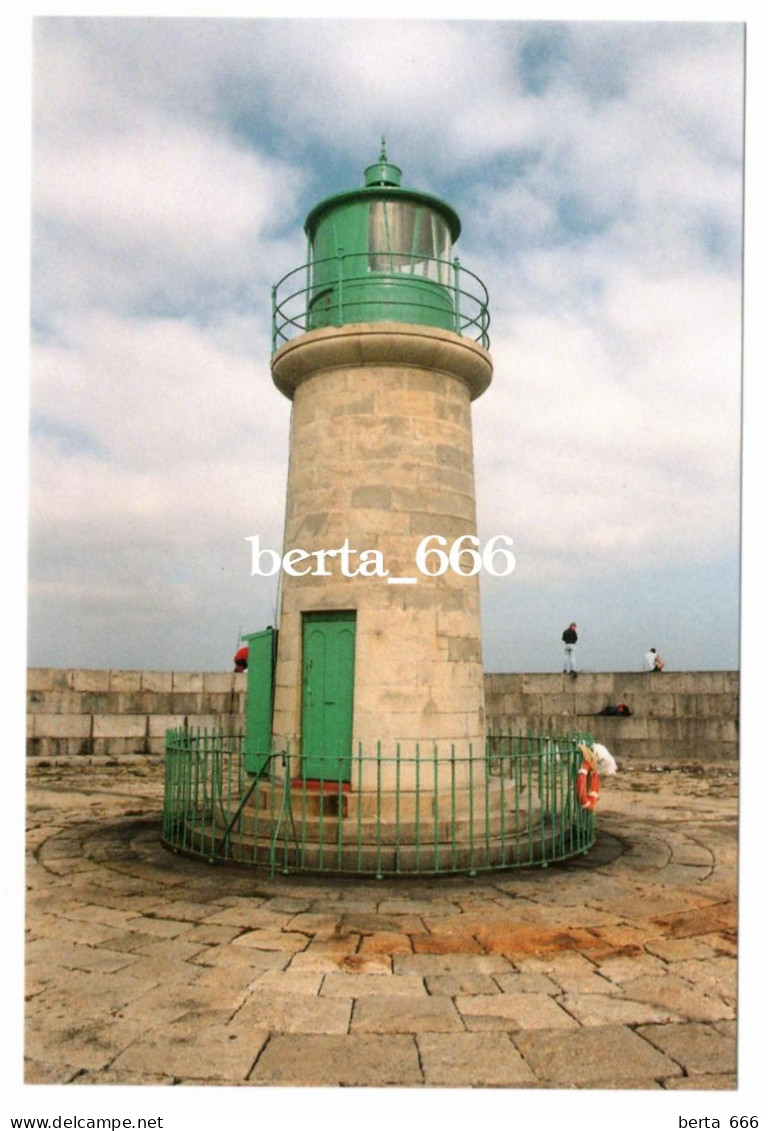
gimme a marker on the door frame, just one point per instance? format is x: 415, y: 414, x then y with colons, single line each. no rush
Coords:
x: 310, y: 619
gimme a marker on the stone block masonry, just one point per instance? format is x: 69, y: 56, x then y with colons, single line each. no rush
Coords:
x: 111, y: 714
x: 381, y: 455
x: 677, y: 717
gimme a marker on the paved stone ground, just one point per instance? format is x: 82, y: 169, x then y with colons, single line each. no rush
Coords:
x: 614, y: 971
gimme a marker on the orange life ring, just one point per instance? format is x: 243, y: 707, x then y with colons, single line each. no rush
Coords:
x: 588, y: 786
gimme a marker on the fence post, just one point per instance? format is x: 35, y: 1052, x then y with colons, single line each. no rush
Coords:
x: 340, y: 261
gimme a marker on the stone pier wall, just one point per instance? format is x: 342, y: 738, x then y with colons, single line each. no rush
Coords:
x: 109, y: 714
x: 677, y: 717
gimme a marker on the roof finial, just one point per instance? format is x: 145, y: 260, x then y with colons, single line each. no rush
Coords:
x: 383, y: 174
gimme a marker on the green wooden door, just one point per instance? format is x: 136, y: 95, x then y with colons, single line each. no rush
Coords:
x: 328, y: 677
x: 259, y: 699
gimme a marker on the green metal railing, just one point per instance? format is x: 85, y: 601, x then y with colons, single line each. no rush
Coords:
x: 343, y: 289
x: 429, y: 811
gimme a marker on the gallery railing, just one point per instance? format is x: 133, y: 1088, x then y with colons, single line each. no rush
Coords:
x: 380, y: 287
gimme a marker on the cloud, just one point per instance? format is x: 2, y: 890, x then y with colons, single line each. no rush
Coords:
x: 163, y: 216
x: 142, y: 388
x: 613, y: 443
x: 597, y: 172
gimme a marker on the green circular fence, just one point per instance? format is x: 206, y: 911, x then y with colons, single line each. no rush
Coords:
x: 429, y: 810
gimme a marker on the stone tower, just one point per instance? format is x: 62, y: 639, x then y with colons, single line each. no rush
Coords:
x: 376, y: 659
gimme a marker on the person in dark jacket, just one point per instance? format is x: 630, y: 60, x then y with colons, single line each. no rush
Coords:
x: 569, y: 639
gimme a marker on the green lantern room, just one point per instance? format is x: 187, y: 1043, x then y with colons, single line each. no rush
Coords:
x: 381, y: 253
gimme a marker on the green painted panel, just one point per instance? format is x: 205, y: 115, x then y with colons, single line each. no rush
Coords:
x: 257, y: 746
x: 382, y: 260
x: 328, y: 677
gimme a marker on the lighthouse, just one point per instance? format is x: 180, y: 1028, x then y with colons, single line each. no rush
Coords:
x: 380, y: 343
x: 365, y: 748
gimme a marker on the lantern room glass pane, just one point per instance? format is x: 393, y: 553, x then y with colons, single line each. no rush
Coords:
x: 408, y: 237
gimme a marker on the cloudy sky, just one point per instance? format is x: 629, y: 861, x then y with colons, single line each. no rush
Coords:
x: 597, y: 170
